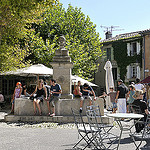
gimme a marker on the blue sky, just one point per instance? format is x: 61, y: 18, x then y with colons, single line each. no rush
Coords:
x: 129, y: 15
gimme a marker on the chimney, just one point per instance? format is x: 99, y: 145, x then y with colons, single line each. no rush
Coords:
x: 108, y: 35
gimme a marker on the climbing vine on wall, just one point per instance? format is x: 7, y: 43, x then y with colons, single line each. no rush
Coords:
x: 122, y: 59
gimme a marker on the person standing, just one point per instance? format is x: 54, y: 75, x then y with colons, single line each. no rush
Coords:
x: 122, y: 90
x: 40, y: 91
x: 130, y: 98
x: 17, y: 94
x: 140, y: 86
x: 55, y: 93
x: 112, y: 95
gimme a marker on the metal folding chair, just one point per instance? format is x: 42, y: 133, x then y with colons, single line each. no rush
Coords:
x: 106, y: 128
x: 97, y: 137
x: 136, y: 109
x: 139, y: 124
x: 84, y: 130
x: 104, y: 138
x: 96, y: 109
x: 144, y: 135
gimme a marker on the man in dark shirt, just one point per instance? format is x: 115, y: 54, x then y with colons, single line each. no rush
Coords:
x: 86, y: 91
x: 122, y: 90
x: 55, y: 92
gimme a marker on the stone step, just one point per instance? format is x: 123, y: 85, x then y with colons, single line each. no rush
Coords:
x: 57, y: 119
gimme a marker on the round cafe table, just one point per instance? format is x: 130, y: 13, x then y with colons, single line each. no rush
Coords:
x: 119, y: 118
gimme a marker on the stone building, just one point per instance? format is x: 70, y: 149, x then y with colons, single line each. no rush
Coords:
x: 135, y: 47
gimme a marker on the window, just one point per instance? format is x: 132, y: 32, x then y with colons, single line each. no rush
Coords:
x: 133, y: 48
x: 133, y: 71
x: 109, y: 54
x: 114, y: 72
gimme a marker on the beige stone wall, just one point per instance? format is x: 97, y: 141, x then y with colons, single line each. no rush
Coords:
x: 24, y: 107
x: 147, y: 55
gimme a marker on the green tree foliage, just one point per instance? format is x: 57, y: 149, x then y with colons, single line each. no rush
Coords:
x: 15, y: 15
x: 40, y: 51
x: 83, y: 42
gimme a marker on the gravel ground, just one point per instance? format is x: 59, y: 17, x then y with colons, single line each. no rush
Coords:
x: 48, y: 136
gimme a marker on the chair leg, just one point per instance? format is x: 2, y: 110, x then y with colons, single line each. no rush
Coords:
x: 146, y: 146
x: 87, y: 140
x: 78, y: 141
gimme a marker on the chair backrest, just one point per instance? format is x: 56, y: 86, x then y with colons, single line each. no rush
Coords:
x: 96, y: 110
x: 147, y: 124
x: 92, y: 118
x: 136, y: 109
x: 77, y: 118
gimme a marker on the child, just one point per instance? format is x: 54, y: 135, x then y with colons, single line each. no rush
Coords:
x: 112, y: 95
x: 17, y: 94
x: 130, y: 98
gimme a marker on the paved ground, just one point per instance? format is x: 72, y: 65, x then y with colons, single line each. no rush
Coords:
x: 46, y: 136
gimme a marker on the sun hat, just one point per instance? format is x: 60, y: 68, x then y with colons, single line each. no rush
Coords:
x: 18, y: 83
x: 111, y: 87
x: 137, y: 93
x: 131, y: 86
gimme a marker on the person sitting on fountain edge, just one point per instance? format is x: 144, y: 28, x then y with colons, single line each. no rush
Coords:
x: 87, y: 90
x: 55, y: 92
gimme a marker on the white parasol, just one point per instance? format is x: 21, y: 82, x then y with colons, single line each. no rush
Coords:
x: 75, y: 78
x: 38, y: 69
x: 109, y: 81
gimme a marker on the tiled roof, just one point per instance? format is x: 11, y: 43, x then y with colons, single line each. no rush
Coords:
x: 145, y: 31
x: 126, y: 36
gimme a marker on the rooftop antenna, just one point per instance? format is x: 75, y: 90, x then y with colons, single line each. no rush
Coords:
x: 111, y: 28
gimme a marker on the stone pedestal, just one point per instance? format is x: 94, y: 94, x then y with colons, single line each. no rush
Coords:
x: 62, y: 75
x: 62, y: 66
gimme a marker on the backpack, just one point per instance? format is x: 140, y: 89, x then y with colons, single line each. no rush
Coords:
x: 126, y: 89
x: 75, y: 92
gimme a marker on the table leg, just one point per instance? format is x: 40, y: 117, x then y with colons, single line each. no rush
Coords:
x: 121, y: 130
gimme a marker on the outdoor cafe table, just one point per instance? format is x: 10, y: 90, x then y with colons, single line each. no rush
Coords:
x: 119, y: 117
